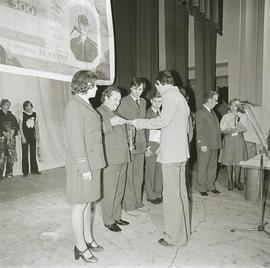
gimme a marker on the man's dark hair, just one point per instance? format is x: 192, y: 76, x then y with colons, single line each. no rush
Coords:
x: 137, y: 81
x: 209, y: 95
x: 25, y: 103
x: 164, y: 77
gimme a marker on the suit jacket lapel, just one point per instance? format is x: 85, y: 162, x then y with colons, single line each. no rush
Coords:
x: 133, y: 103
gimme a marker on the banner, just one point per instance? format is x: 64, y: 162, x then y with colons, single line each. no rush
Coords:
x: 56, y: 38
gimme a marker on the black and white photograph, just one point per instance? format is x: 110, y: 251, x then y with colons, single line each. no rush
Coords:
x: 135, y: 133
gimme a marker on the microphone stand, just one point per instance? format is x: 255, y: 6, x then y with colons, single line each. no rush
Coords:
x: 264, y: 155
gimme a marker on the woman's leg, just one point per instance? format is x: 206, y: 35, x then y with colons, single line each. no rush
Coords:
x: 88, y: 228
x: 78, y: 227
x: 33, y: 157
x: 238, y: 184
x: 230, y: 178
x: 88, y: 224
x: 25, y: 164
x: 11, y: 155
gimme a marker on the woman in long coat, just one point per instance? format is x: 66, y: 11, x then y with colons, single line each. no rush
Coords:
x: 84, y: 160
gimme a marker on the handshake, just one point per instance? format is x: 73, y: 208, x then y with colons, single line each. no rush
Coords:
x: 117, y: 120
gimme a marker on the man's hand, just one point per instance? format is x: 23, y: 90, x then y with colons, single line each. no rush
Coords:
x: 135, y: 125
x: 115, y: 121
x: 204, y: 148
x: 87, y: 176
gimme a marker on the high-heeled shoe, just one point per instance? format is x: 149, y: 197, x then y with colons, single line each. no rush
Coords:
x: 80, y: 254
x: 96, y: 248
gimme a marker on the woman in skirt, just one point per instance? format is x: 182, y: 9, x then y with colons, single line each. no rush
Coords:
x: 233, y: 125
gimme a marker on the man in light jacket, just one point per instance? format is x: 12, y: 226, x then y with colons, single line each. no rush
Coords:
x: 173, y: 154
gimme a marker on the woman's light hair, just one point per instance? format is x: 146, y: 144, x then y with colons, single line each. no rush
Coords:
x: 81, y: 82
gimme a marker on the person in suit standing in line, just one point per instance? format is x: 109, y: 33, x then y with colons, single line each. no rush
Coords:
x: 173, y: 154
x: 117, y: 156
x: 153, y: 171
x: 131, y: 107
x: 84, y: 161
x: 208, y: 142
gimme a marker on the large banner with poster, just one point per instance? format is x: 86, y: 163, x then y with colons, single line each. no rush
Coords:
x: 56, y: 38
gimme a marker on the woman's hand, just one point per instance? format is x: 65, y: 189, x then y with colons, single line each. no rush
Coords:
x: 23, y: 139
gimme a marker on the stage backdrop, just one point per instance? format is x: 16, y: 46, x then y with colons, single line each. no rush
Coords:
x: 55, y: 38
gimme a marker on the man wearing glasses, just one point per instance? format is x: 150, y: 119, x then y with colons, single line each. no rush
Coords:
x: 208, y: 143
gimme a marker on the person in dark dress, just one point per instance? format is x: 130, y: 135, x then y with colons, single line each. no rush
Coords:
x: 8, y: 130
x: 30, y: 138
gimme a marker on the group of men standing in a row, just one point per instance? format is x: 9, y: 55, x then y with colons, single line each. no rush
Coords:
x: 171, y: 151
x: 127, y: 166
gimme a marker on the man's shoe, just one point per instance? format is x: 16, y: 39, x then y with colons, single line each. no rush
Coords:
x: 204, y: 193
x: 159, y: 200
x: 133, y: 213
x: 113, y: 227
x: 122, y: 222
x: 25, y: 175
x: 164, y: 243
x: 215, y: 191
x: 153, y: 201
x: 36, y: 173
x: 143, y: 209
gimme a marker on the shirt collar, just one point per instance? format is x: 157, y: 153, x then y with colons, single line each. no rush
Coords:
x: 154, y: 110
x: 84, y: 98
x: 207, y: 108
x: 135, y: 98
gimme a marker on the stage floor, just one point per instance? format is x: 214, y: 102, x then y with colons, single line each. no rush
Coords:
x: 36, y: 231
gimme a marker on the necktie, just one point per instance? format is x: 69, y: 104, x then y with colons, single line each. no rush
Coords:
x: 137, y: 102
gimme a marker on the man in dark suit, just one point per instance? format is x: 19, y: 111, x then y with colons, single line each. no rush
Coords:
x: 153, y: 170
x: 117, y: 156
x: 208, y: 143
x: 131, y: 107
x: 83, y: 48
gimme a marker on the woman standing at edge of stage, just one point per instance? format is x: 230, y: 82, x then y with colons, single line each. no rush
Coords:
x: 84, y: 160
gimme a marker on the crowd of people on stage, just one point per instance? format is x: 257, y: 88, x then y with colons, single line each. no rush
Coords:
x: 115, y: 149
x: 10, y: 127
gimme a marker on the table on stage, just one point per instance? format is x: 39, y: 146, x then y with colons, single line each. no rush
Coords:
x: 259, y: 162
x: 252, y: 183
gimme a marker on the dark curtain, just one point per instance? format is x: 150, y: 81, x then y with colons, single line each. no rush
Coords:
x: 210, y: 12
x: 124, y: 18
x: 147, y: 43
x: 207, y: 24
x: 205, y: 60
x: 176, y: 38
x: 136, y: 40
